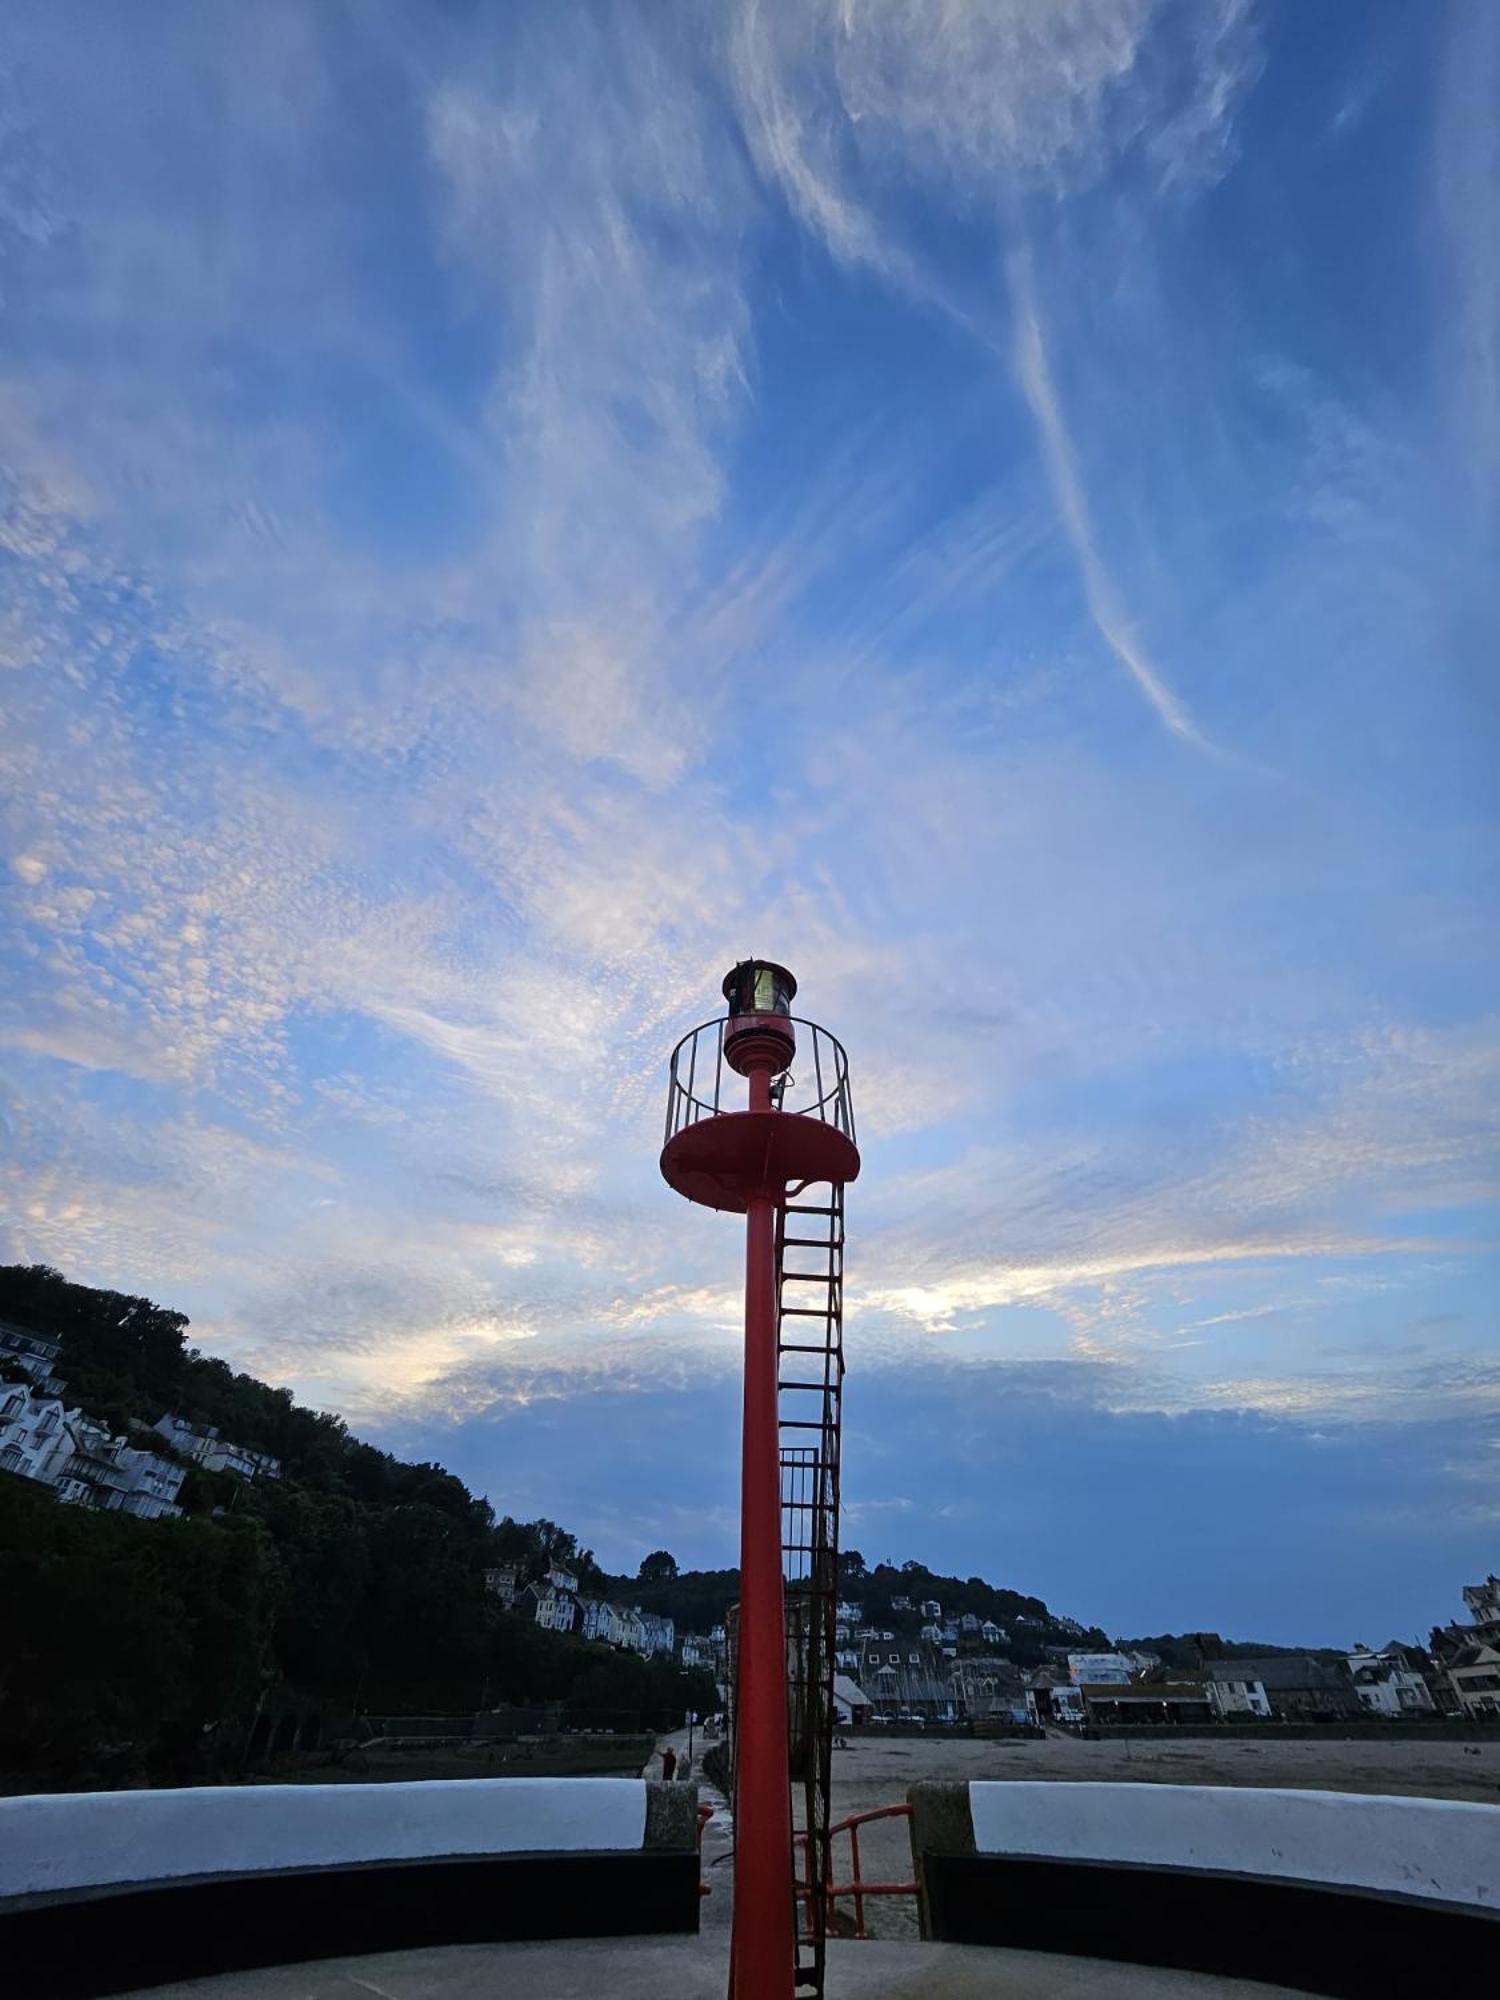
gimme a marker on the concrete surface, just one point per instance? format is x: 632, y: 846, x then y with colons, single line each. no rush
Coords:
x: 1447, y: 1849
x: 697, y: 1969
x: 876, y: 1770
x: 69, y: 1840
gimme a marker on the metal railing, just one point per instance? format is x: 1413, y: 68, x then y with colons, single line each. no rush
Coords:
x: 856, y: 1887
x: 818, y: 1086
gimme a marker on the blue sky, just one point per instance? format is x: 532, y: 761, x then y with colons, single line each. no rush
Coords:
x: 510, y: 508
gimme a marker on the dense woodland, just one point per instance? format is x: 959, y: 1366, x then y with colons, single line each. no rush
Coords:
x: 136, y: 1650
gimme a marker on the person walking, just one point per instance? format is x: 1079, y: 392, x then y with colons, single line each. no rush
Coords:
x: 668, y: 1764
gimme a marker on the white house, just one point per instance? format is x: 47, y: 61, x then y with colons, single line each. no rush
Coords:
x: 1483, y: 1602
x: 79, y: 1460
x: 107, y: 1473
x: 203, y: 1444
x: 1386, y: 1685
x: 930, y: 1608
x: 1233, y: 1699
x: 155, y: 1483
x: 553, y: 1610
x: 562, y: 1579
x: 991, y: 1633
x: 503, y: 1581
x: 35, y: 1353
x: 34, y: 1435
x: 1474, y: 1672
x: 1099, y: 1669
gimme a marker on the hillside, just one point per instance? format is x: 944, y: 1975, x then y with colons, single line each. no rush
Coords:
x: 698, y: 1600
x: 353, y: 1581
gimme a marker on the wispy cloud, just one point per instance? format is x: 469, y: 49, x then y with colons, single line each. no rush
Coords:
x: 1034, y: 371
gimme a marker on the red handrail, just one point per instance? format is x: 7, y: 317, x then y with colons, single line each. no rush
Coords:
x: 856, y: 1886
x: 705, y: 1814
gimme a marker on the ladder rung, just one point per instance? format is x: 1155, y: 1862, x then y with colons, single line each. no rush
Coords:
x: 810, y: 1277
x: 806, y: 1312
x: 812, y: 1242
x: 802, y: 1424
x: 803, y: 1347
x: 799, y: 1208
x: 832, y: 1388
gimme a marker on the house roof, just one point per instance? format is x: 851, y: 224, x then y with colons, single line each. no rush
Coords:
x: 1284, y: 1671
x: 1475, y: 1656
x: 850, y: 1692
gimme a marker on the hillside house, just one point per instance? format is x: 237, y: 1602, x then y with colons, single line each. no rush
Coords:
x: 83, y: 1464
x: 204, y: 1446
x: 554, y: 1610
x: 503, y: 1581
x: 34, y: 1354
x: 34, y: 1435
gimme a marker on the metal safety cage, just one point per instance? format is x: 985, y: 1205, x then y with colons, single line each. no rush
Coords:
x: 818, y: 1088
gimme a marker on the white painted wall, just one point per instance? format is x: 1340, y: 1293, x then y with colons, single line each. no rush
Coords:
x: 1441, y: 1848
x: 74, y: 1840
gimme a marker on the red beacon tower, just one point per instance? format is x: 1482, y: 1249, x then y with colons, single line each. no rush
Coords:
x: 781, y: 1160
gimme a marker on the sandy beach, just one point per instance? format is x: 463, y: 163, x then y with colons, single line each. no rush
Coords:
x: 876, y: 1771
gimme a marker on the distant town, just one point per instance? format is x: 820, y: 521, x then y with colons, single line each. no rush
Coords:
x: 907, y: 1657
x: 904, y: 1661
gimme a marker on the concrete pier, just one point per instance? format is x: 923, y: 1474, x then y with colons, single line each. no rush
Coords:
x: 696, y: 1968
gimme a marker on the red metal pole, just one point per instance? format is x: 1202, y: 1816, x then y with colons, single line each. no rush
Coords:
x: 763, y: 1944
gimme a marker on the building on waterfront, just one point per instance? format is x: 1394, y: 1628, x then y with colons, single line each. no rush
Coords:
x: 1388, y: 1684
x: 1298, y: 1687
x: 1099, y: 1669
x: 1483, y: 1604
x: 1475, y: 1675
x: 1234, y: 1695
x: 1145, y: 1702
x: 987, y: 1689
x: 1468, y: 1656
x: 904, y: 1677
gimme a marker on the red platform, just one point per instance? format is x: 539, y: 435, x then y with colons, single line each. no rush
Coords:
x: 725, y: 1161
